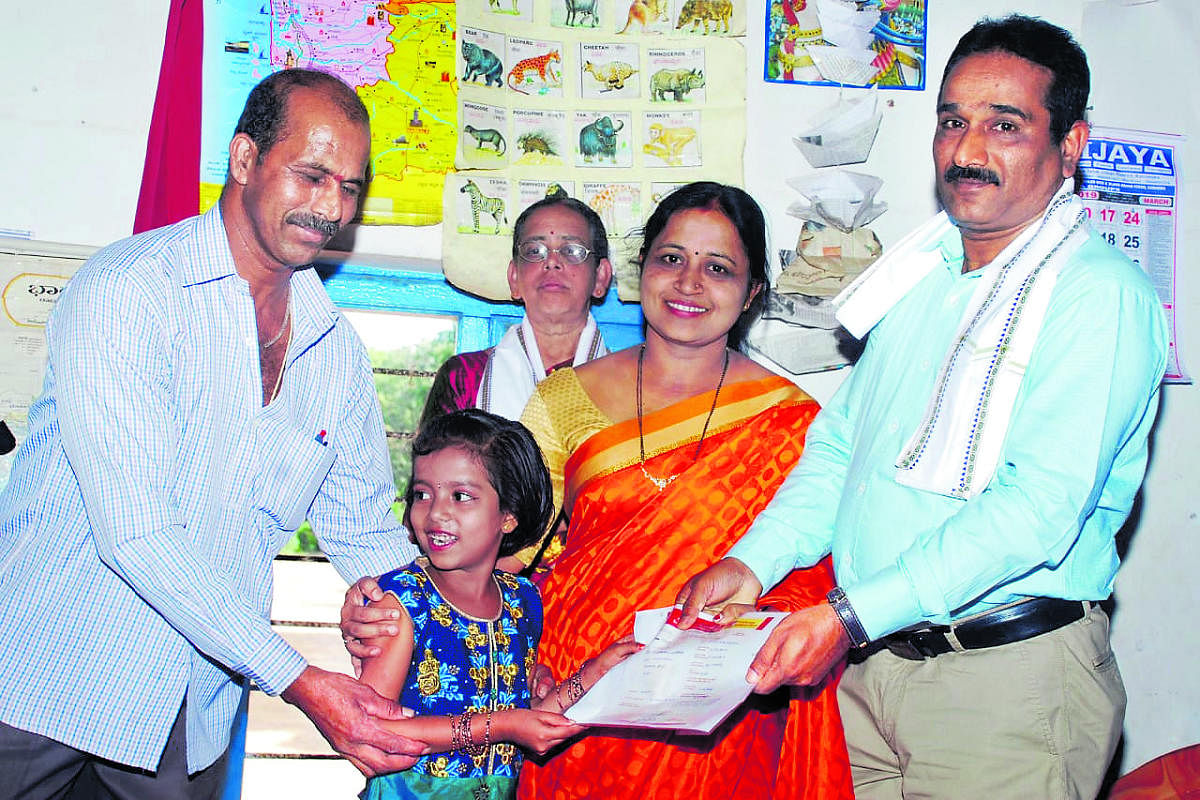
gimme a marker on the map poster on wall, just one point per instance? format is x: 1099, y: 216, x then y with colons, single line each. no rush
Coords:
x: 1130, y: 187
x: 397, y: 54
x: 832, y: 42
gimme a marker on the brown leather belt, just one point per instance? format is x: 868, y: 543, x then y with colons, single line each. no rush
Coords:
x: 1004, y: 625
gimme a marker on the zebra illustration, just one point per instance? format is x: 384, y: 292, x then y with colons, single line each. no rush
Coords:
x: 488, y: 205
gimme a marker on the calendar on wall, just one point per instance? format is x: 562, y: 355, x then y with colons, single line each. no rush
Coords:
x: 1130, y: 187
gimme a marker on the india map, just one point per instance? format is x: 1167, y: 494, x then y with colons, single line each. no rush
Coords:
x: 397, y: 54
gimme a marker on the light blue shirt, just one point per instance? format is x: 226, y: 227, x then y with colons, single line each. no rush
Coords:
x: 143, y: 512
x: 1073, y: 458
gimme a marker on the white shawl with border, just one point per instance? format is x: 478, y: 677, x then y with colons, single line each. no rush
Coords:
x: 957, y: 447
x: 515, y: 367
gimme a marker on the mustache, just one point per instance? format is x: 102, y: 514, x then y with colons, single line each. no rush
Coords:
x: 956, y: 173
x: 312, y: 221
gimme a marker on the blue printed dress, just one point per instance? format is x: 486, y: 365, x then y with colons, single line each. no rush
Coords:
x: 460, y: 662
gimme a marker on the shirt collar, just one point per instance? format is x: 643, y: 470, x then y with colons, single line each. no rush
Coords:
x: 212, y: 260
x: 950, y: 246
x: 313, y: 311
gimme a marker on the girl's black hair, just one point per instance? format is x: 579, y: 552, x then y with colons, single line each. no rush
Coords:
x: 513, y: 463
x: 745, y: 215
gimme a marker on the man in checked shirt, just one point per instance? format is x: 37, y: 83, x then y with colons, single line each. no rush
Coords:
x: 203, y: 397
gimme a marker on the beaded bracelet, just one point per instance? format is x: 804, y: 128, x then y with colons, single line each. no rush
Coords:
x: 472, y: 749
x: 460, y: 730
x: 487, y: 730
x: 574, y: 688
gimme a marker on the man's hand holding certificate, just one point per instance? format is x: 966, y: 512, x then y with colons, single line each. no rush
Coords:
x: 687, y: 680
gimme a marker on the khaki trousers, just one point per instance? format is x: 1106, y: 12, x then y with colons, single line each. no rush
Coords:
x: 1030, y: 720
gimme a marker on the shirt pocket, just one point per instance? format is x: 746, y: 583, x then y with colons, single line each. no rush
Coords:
x: 292, y: 466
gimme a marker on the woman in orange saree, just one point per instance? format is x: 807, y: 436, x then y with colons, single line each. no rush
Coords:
x: 663, y: 455
x: 631, y: 547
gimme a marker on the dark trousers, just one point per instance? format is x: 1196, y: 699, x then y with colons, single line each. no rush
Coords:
x: 33, y: 767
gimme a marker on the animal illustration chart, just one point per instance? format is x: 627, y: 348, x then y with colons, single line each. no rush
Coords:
x: 615, y: 102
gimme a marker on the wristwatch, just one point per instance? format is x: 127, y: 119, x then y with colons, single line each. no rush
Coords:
x: 854, y: 629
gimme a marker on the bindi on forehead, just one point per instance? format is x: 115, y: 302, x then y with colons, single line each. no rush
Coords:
x: 338, y: 177
x: 551, y: 232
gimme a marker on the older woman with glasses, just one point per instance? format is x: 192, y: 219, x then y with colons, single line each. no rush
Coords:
x: 559, y: 265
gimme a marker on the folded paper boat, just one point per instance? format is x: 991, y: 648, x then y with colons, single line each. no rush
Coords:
x: 842, y: 133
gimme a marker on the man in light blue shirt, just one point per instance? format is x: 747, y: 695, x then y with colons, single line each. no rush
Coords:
x: 203, y: 397
x: 970, y: 475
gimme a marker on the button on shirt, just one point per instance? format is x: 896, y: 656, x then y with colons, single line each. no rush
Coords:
x: 1073, y: 459
x: 143, y: 512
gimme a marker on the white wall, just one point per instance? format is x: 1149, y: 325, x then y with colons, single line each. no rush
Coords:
x: 1154, y: 627
x: 75, y: 107
x: 74, y: 112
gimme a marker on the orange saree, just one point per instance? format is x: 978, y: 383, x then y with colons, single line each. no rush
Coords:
x: 630, y: 546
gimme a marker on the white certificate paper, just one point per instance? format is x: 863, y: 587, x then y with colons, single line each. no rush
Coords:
x: 685, y: 680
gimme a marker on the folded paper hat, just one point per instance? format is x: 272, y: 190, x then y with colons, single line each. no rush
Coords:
x: 838, y: 197
x: 842, y: 133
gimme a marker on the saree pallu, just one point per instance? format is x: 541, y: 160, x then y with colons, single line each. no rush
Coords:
x: 630, y: 546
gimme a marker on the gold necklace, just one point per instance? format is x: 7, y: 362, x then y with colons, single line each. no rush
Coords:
x: 663, y: 483
x: 282, y: 365
x: 287, y: 317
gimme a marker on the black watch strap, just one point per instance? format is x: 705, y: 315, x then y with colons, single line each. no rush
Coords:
x: 854, y: 629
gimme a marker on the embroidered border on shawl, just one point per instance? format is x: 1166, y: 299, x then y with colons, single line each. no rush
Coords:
x: 999, y: 358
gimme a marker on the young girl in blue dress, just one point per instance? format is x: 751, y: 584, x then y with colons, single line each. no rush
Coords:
x: 468, y: 632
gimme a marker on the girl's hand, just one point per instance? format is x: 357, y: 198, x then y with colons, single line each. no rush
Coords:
x: 559, y: 697
x: 594, y: 668
x: 541, y: 683
x: 538, y: 731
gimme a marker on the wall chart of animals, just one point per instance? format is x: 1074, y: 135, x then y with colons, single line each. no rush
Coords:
x: 615, y: 102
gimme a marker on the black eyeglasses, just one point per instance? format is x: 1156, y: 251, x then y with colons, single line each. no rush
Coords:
x: 536, y: 252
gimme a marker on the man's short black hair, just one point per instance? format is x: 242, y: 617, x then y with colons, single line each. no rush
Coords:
x: 1047, y: 46
x: 264, y: 118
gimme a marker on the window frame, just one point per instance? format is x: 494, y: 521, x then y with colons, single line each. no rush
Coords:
x: 481, y: 323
